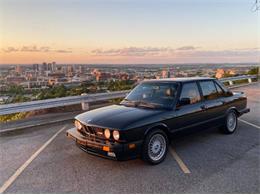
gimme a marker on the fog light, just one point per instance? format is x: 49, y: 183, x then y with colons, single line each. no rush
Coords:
x: 112, y: 154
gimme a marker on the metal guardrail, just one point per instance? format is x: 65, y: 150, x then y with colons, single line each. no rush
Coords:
x: 237, y: 78
x: 57, y: 102
x: 84, y: 99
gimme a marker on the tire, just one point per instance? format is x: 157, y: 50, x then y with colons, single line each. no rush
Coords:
x: 155, y: 147
x: 230, y: 125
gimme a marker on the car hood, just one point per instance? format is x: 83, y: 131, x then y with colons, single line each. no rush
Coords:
x: 117, y: 116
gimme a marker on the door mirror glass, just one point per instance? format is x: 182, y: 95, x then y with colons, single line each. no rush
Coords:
x: 229, y: 93
x: 184, y: 101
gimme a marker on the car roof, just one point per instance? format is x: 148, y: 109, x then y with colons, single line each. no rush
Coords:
x: 180, y: 79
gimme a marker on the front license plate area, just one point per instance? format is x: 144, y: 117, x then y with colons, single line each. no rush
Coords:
x: 81, y: 142
x: 76, y: 140
x: 70, y: 136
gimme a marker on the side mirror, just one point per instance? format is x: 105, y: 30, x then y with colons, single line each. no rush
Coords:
x: 184, y: 101
x: 228, y: 93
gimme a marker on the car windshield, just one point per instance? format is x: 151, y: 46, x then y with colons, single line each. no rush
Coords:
x: 152, y: 95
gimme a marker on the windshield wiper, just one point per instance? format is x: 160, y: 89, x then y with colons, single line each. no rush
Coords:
x: 140, y: 103
x: 148, y: 104
x: 129, y: 102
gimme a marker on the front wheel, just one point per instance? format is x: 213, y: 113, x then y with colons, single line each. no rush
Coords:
x: 155, y: 147
x: 230, y: 125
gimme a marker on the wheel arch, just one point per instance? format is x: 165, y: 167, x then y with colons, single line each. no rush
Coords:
x: 161, y: 126
x: 233, y: 108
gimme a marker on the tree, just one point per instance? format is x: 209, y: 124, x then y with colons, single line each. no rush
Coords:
x: 15, y: 89
x: 253, y: 71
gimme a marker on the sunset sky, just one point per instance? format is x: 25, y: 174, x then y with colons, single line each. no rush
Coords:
x: 128, y: 31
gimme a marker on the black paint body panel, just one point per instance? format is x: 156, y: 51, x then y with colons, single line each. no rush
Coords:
x: 134, y: 122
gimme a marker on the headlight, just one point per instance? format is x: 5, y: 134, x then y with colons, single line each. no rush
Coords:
x: 107, y: 133
x: 78, y: 125
x: 116, y: 135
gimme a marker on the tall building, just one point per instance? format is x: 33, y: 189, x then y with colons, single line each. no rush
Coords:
x: 18, y: 69
x: 53, y: 66
x: 81, y: 69
x: 70, y: 70
x: 36, y: 67
x: 49, y: 67
x: 44, y: 66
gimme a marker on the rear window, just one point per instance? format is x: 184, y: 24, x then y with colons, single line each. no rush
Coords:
x: 209, y: 90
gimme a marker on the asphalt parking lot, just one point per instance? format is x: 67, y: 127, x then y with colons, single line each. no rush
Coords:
x: 43, y: 160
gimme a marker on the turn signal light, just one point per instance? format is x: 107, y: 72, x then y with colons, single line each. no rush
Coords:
x: 131, y: 146
x: 106, y: 148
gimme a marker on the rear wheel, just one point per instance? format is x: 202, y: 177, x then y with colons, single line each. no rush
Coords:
x: 155, y: 147
x: 230, y: 125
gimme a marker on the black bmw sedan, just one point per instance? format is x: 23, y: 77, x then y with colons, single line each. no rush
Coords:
x: 142, y: 124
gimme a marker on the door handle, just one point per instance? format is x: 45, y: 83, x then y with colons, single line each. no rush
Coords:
x: 204, y: 107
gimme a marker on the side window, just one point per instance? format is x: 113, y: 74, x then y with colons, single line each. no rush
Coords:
x: 222, y: 86
x: 190, y: 91
x: 209, y: 90
x: 219, y: 90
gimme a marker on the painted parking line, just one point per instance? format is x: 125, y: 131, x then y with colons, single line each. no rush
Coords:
x: 181, y: 164
x: 28, y: 162
x: 253, y: 125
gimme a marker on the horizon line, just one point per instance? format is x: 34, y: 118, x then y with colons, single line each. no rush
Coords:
x: 193, y: 63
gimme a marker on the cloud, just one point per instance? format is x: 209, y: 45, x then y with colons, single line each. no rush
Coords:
x: 10, y: 49
x: 230, y: 53
x: 187, y: 53
x: 34, y: 48
x: 62, y: 51
x: 187, y: 48
x: 212, y: 56
x: 180, y: 54
x: 142, y: 51
x: 133, y: 51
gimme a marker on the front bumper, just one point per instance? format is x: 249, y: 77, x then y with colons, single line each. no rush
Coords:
x: 116, y: 151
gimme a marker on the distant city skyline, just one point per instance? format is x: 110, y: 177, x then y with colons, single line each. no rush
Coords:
x: 128, y: 31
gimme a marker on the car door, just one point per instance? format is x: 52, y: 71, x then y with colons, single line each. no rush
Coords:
x: 191, y: 114
x: 214, y: 104
x: 222, y: 97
